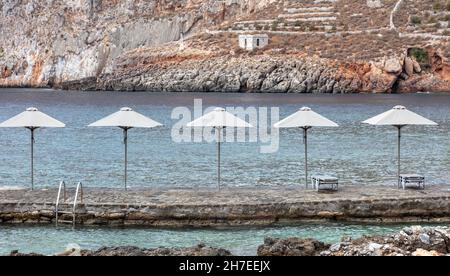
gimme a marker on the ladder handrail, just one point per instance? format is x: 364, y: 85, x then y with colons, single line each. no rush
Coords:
x: 79, y: 191
x: 61, y: 185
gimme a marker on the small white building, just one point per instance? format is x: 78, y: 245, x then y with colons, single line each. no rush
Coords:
x: 253, y: 41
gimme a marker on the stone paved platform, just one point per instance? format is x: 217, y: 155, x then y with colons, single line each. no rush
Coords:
x: 230, y: 207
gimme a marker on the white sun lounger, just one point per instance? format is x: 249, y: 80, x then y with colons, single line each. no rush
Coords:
x: 411, y: 179
x: 323, y: 182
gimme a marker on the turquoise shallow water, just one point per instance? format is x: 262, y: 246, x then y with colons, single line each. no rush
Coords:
x: 49, y: 239
x: 357, y: 153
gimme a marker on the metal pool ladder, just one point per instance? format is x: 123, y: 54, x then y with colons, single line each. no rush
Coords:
x: 78, y: 193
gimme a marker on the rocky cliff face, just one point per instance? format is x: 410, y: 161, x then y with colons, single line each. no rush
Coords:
x: 47, y: 42
x: 193, y: 67
x: 191, y: 45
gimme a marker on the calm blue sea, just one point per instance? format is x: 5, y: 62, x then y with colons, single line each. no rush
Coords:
x: 357, y: 153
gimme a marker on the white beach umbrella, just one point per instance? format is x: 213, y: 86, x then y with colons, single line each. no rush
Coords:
x: 219, y: 119
x: 305, y: 119
x: 126, y: 119
x: 32, y: 119
x: 399, y: 117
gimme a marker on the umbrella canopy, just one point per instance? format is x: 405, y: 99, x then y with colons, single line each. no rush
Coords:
x: 126, y: 119
x: 305, y: 118
x: 32, y: 119
x: 219, y: 119
x: 399, y: 117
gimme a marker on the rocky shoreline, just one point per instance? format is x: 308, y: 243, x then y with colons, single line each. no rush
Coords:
x: 410, y: 241
x: 169, y: 70
x: 75, y: 250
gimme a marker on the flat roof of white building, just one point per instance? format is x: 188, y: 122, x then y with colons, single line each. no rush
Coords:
x: 254, y: 35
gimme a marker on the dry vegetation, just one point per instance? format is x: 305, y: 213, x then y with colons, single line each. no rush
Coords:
x: 425, y: 17
x: 343, y: 15
x: 355, y: 15
x: 353, y: 47
x: 349, y: 47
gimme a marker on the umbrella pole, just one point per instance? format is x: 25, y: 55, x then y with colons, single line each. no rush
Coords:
x: 125, y: 141
x: 218, y: 156
x: 398, y: 155
x: 32, y: 158
x: 305, y: 137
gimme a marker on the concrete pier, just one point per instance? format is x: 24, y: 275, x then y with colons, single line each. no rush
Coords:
x: 230, y: 207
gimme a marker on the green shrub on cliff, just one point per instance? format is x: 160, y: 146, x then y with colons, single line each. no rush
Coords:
x: 416, y: 20
x: 274, y: 26
x: 437, y: 6
x: 448, y: 6
x: 1, y: 52
x: 419, y: 54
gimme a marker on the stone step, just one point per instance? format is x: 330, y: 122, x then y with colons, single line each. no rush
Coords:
x: 307, y: 15
x: 65, y: 221
x: 313, y: 19
x: 311, y: 9
x: 65, y: 212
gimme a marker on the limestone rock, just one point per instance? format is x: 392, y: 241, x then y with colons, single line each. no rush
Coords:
x: 425, y: 253
x: 71, y: 250
x: 417, y: 67
x: 199, y: 250
x: 411, y: 241
x: 9, y: 7
x: 374, y: 246
x: 409, y: 66
x: 335, y: 247
x: 16, y: 253
x: 30, y: 8
x: 424, y: 238
x: 291, y: 247
x: 374, y: 4
x: 392, y: 65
